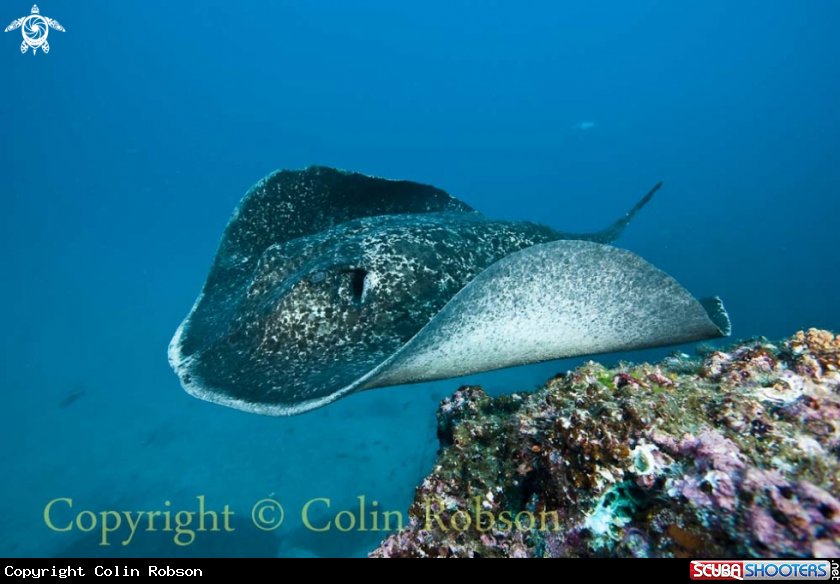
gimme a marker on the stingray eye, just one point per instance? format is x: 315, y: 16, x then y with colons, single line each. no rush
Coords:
x: 318, y: 277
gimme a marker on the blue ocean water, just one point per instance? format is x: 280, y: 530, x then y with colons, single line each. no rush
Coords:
x: 125, y: 149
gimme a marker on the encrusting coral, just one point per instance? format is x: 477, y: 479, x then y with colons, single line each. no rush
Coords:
x: 730, y: 454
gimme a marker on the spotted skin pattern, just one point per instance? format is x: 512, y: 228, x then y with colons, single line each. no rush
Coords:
x: 322, y: 275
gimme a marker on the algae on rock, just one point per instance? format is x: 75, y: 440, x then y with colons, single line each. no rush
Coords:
x: 732, y: 454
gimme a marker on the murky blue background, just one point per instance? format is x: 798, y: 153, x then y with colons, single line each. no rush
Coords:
x: 125, y: 149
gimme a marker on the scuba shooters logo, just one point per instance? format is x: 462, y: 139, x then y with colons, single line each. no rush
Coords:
x: 35, y: 29
x: 765, y: 570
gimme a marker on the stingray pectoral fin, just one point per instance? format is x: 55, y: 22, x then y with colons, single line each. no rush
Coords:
x: 717, y: 314
x: 553, y: 301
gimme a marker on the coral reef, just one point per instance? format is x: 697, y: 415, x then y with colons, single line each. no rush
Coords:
x: 733, y: 453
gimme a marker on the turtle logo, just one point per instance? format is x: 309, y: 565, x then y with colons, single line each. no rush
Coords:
x: 35, y: 29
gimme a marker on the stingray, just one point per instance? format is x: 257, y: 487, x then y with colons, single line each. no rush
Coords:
x: 327, y: 283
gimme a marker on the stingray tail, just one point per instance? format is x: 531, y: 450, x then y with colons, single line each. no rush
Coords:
x: 613, y: 232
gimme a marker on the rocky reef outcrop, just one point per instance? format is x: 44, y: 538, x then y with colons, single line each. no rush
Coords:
x: 730, y: 453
